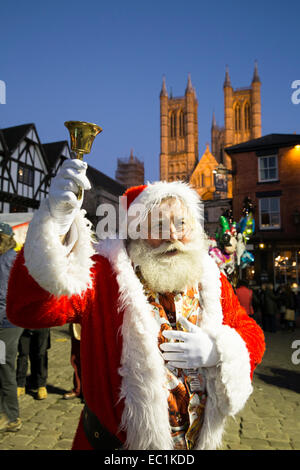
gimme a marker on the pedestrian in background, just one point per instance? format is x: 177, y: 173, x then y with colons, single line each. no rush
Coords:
x: 9, y: 336
x: 33, y: 346
x: 245, y: 296
x: 270, y: 304
x: 280, y: 292
x: 76, y: 392
x: 290, y: 307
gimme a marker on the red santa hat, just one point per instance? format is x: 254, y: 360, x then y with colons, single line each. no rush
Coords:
x: 145, y: 197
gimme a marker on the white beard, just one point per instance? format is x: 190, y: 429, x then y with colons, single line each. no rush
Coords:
x: 165, y: 273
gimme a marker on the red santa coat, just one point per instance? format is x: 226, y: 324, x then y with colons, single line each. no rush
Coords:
x: 123, y: 376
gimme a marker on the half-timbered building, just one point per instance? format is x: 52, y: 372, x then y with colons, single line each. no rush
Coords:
x: 27, y: 167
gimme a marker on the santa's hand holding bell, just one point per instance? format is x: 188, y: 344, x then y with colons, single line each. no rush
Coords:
x: 63, y: 201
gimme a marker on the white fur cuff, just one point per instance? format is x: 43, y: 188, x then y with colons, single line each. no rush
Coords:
x: 232, y: 375
x: 49, y: 261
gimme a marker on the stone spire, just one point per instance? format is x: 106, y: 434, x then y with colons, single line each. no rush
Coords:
x: 164, y: 88
x: 255, y: 74
x: 189, y: 88
x: 227, y: 78
x: 214, y: 123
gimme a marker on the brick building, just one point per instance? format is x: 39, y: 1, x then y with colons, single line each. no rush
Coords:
x: 267, y: 170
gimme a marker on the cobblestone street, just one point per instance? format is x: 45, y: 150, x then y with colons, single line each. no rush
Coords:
x: 270, y: 420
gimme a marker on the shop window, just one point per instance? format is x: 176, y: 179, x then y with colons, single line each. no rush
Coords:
x: 286, y: 268
x: 269, y: 213
x: 268, y: 168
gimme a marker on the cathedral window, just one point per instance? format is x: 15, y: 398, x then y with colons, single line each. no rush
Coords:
x: 173, y: 122
x: 247, y: 116
x: 181, y: 124
x: 237, y: 117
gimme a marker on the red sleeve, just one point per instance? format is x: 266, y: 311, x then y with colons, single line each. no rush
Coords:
x: 30, y: 306
x: 235, y: 316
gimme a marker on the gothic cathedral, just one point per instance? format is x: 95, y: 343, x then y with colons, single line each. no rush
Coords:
x: 242, y: 117
x: 179, y: 129
x: 179, y: 134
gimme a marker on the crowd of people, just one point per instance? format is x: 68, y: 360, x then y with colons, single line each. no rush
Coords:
x: 274, y: 309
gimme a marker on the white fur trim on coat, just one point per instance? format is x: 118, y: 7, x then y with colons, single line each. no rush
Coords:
x: 145, y: 416
x: 49, y: 261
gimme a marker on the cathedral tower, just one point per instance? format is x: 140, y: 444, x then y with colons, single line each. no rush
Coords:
x: 242, y: 117
x: 178, y: 134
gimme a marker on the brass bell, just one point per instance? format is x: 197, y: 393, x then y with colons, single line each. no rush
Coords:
x: 82, y: 135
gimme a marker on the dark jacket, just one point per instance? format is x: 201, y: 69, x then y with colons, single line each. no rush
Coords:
x: 270, y: 302
x: 6, y: 262
x: 289, y: 300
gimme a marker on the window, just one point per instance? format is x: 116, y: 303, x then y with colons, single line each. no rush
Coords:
x: 17, y: 208
x: 173, y: 124
x: 269, y: 213
x: 286, y: 267
x: 267, y: 168
x: 181, y: 124
x: 247, y: 116
x: 237, y: 117
x: 25, y: 175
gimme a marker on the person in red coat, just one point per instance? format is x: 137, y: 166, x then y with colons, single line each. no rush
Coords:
x: 167, y: 351
x: 245, y: 296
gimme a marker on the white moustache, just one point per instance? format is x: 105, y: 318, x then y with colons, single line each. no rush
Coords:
x: 166, y: 247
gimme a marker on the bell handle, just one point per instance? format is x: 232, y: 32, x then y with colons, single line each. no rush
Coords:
x: 79, y: 156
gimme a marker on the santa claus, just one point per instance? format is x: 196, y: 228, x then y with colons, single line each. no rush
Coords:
x: 167, y: 351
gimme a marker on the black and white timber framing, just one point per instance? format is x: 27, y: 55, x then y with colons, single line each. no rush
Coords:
x: 26, y: 167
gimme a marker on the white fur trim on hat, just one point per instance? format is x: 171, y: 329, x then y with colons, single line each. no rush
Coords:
x: 154, y: 193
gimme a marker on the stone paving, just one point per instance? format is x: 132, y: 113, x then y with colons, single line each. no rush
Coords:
x: 269, y: 421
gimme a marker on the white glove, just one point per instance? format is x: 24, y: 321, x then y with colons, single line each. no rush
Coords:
x: 196, y: 350
x: 63, y: 191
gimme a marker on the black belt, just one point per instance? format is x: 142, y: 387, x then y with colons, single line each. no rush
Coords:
x: 98, y: 436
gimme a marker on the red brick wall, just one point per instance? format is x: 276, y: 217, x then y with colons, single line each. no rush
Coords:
x: 245, y: 183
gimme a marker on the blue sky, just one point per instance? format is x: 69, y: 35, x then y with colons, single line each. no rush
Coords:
x: 103, y: 62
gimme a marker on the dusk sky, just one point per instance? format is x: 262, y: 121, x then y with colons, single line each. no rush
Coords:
x: 103, y: 62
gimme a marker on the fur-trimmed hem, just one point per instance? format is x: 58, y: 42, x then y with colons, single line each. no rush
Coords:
x: 48, y: 260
